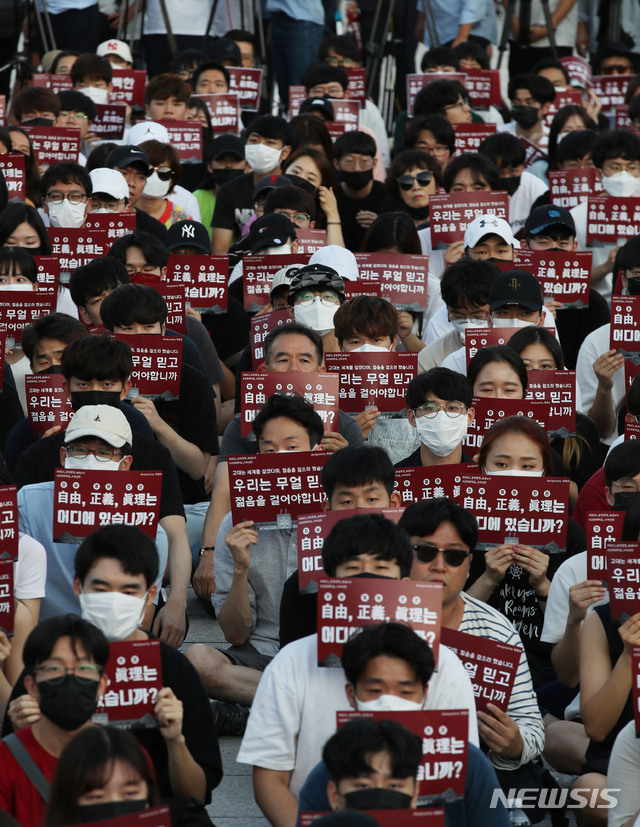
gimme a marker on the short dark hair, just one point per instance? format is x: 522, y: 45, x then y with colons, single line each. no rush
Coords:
x: 342, y: 44
x: 613, y: 49
x: 354, y: 141
x: 322, y: 72
x: 628, y: 256
x: 93, y: 278
x: 442, y: 382
x: 131, y: 304
x: 166, y: 86
x: 622, y: 462
x: 207, y: 66
x: 59, y: 57
x: 537, y: 335
x: 35, y: 99
x: 550, y: 63
x: 497, y: 353
x: 540, y: 88
x: 575, y: 145
x: 368, y: 315
x: 619, y: 143
x: 396, y: 640
x: 440, y: 128
x: 132, y: 548
x: 66, y: 173
x: 290, y: 198
x: 392, y: 229
x: 292, y: 407
x: 90, y: 65
x: 366, y: 533
x: 404, y: 162
x: 468, y: 281
x: 39, y: 645
x: 469, y: 49
x: 439, y: 56
x: 52, y: 326
x: 76, y: 101
x: 354, y: 466
x: 504, y: 149
x: 153, y: 250
x: 435, y: 96
x: 273, y: 127
x: 241, y: 36
x: 631, y: 523
x: 18, y: 213
x: 20, y: 258
x: 424, y: 518
x: 97, y: 357
x: 289, y: 329
x: 345, y: 753
x: 478, y: 165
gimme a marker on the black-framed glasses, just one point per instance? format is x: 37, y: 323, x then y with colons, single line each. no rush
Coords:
x: 72, y: 197
x: 427, y: 553
x: 109, y: 206
x: 83, y: 673
x: 430, y: 409
x: 424, y: 178
x: 101, y: 454
x: 165, y: 173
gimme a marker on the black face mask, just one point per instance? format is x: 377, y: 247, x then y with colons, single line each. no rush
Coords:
x: 37, y: 122
x: 80, y: 398
x: 356, y: 180
x: 417, y: 213
x: 525, y: 116
x: 52, y: 369
x: 622, y: 500
x: 510, y: 184
x: 305, y: 185
x: 633, y: 286
x: 110, y: 809
x: 377, y: 798
x: 68, y: 704
x: 223, y: 176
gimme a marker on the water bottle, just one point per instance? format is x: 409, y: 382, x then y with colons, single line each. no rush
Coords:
x: 517, y: 816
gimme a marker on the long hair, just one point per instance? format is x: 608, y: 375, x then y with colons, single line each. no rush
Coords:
x: 518, y: 425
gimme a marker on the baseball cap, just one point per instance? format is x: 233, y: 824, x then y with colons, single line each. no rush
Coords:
x: 318, y: 104
x: 109, y: 181
x: 148, y: 131
x: 223, y: 48
x: 488, y: 224
x: 546, y: 216
x: 48, y: 58
x: 270, y: 230
x: 102, y: 421
x: 339, y: 259
x: 225, y: 145
x: 515, y: 287
x: 270, y: 183
x: 316, y: 277
x: 188, y: 233
x: 284, y: 276
x: 115, y: 47
x: 128, y: 156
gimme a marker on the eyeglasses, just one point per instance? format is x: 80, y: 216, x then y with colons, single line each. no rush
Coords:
x: 426, y: 553
x: 165, y: 173
x: 429, y: 409
x: 299, y: 217
x: 340, y: 61
x: 439, y: 150
x: 328, y: 298
x: 333, y: 91
x: 83, y: 673
x: 110, y: 206
x: 462, y: 104
x: 424, y: 178
x: 101, y: 454
x: 147, y: 270
x: 72, y: 197
x: 348, y: 163
x: 78, y: 116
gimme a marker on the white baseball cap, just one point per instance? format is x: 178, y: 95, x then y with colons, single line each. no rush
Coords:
x: 102, y: 421
x: 148, y: 131
x: 109, y: 181
x: 488, y: 224
x: 115, y: 47
x: 340, y: 259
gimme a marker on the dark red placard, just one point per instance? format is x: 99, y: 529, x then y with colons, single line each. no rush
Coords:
x: 557, y: 419
x: 48, y: 273
x: 57, y: 83
x: 186, y: 138
x: 346, y: 111
x: 565, y: 277
x: 7, y: 601
x: 85, y: 500
x: 336, y: 129
x: 427, y: 817
x: 452, y: 212
x: 475, y: 338
x: 115, y: 225
x: 247, y: 84
x: 204, y: 279
x: 378, y: 379
x: 360, y: 288
x: 275, y: 488
x: 12, y: 167
x: 16, y: 315
x: 402, y: 277
x: 347, y: 605
x: 631, y: 429
x: 357, y: 88
x: 610, y: 220
x: 76, y: 247
x: 321, y: 389
x: 224, y: 112
x: 110, y: 121
x: 553, y: 387
x: 157, y: 817
x: 174, y: 297
x: 635, y: 672
x: 623, y: 578
x: 128, y: 86
x: 54, y: 144
x: 569, y: 187
x: 257, y: 275
x: 469, y: 136
x: 47, y: 402
x: 532, y: 151
x: 296, y: 95
x: 611, y: 89
x: 602, y: 529
x: 579, y: 70
x: 157, y: 365
x: 9, y: 538
x: 621, y: 118
x: 625, y: 325
x: 416, y: 82
x: 490, y: 665
x: 312, y: 530
x: 134, y: 678
x: 567, y: 97
x: 310, y: 240
x: 261, y: 325
x: 483, y: 86
x: 429, y: 482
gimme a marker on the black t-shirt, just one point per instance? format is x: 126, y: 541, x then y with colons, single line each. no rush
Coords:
x: 10, y: 407
x: 234, y: 204
x: 377, y: 201
x: 413, y: 460
x: 298, y: 612
x: 229, y: 331
x: 149, y: 224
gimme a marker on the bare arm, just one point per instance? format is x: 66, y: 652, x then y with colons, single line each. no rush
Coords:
x: 204, y: 583
x: 565, y: 653
x: 221, y: 241
x: 236, y: 617
x: 170, y: 623
x: 603, y: 410
x: 187, y: 776
x: 275, y: 799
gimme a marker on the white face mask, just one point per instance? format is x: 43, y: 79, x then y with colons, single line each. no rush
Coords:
x: 155, y: 188
x: 442, y: 434
x: 96, y: 94
x: 262, y: 158
x: 280, y: 250
x: 388, y: 703
x: 70, y: 216
x: 513, y: 323
x: 316, y: 315
x: 117, y: 615
x: 367, y: 348
x: 17, y: 288
x: 621, y: 185
x: 90, y: 463
x: 461, y: 326
x: 513, y: 472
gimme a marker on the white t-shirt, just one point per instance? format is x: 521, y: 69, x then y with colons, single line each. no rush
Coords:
x: 520, y: 203
x: 192, y: 17
x: 594, y: 345
x: 572, y: 571
x: 510, y: 127
x: 187, y: 200
x: 600, y: 251
x: 30, y: 570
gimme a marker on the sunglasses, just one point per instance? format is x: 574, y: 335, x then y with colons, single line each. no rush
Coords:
x: 164, y: 173
x: 426, y: 553
x: 406, y: 182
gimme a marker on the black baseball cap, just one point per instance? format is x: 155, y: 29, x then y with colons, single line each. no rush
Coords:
x: 226, y: 144
x: 270, y: 183
x: 128, y: 156
x: 272, y: 229
x: 223, y: 48
x: 515, y: 287
x: 548, y: 215
x: 188, y: 233
x: 323, y: 105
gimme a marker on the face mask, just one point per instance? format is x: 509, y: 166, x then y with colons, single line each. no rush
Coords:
x: 155, y: 188
x: 80, y: 398
x: 305, y: 185
x: 52, y: 369
x: 70, y: 216
x: 525, y: 116
x: 633, y: 287
x: 223, y: 176
x: 117, y: 615
x: 262, y: 158
x: 377, y: 798
x: 37, y: 122
x: 109, y: 809
x: 442, y: 434
x: 622, y: 500
x: 279, y: 250
x: 356, y: 180
x: 510, y: 184
x: 316, y: 315
x: 388, y: 703
x: 367, y: 348
x: 561, y: 136
x: 417, y: 213
x: 621, y: 184
x: 68, y: 704
x: 96, y: 94
x: 462, y: 325
x: 90, y: 463
x: 17, y: 288
x: 512, y: 323
x: 513, y: 472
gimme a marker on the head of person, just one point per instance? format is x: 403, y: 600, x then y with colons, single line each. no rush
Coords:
x: 91, y: 283
x: 132, y: 163
x: 66, y: 191
x: 210, y: 78
x: 311, y: 166
x: 62, y: 62
x: 110, y: 191
x: 64, y: 661
x: 287, y: 423
x: 340, y: 50
x: 571, y: 118
x: 412, y: 177
x: 166, y: 98
x: 614, y: 59
x: 631, y: 523
x: 246, y: 42
x: 117, y: 52
x: 293, y: 202
x: 21, y: 142
x: 373, y: 765
x: 550, y: 228
x: 554, y: 71
x: 315, y: 293
x: 616, y: 155
x: 387, y: 667
x: 198, y: 112
x: 622, y: 474
x: 93, y: 75
x: 44, y: 341
x: 364, y: 545
x: 447, y: 98
x: 96, y: 370
x: 508, y: 154
x: 353, y: 156
x: 273, y: 234
x: 268, y: 143
x: 538, y: 348
x: 497, y: 372
x: 434, y: 135
x: 516, y: 446
x: 224, y: 159
x: 18, y: 270
x: 471, y: 55
x: 574, y: 151
x: 440, y: 59
x: 465, y: 289
x: 293, y: 347
x: 36, y: 106
x: 439, y: 403
x: 224, y: 51
x: 471, y: 172
x: 320, y: 79
x: 310, y: 132
x: 134, y: 309
x: 627, y: 266
x: 531, y: 97
x: 188, y: 238
x: 264, y: 187
x: 339, y: 258
x: 165, y: 170
x: 186, y: 62
x: 392, y: 232
x: 143, y: 255
x: 366, y: 324
x: 98, y: 438
x: 361, y: 477
x: 516, y: 300
x: 489, y: 238
x: 77, y: 110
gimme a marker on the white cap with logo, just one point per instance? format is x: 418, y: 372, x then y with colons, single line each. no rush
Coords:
x: 102, y: 421
x: 488, y: 224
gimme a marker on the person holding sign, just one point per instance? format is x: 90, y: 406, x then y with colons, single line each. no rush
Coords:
x: 531, y: 97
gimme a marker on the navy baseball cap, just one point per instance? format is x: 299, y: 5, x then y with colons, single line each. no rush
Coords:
x: 547, y: 216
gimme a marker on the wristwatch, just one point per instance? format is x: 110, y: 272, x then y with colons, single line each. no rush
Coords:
x: 206, y: 548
